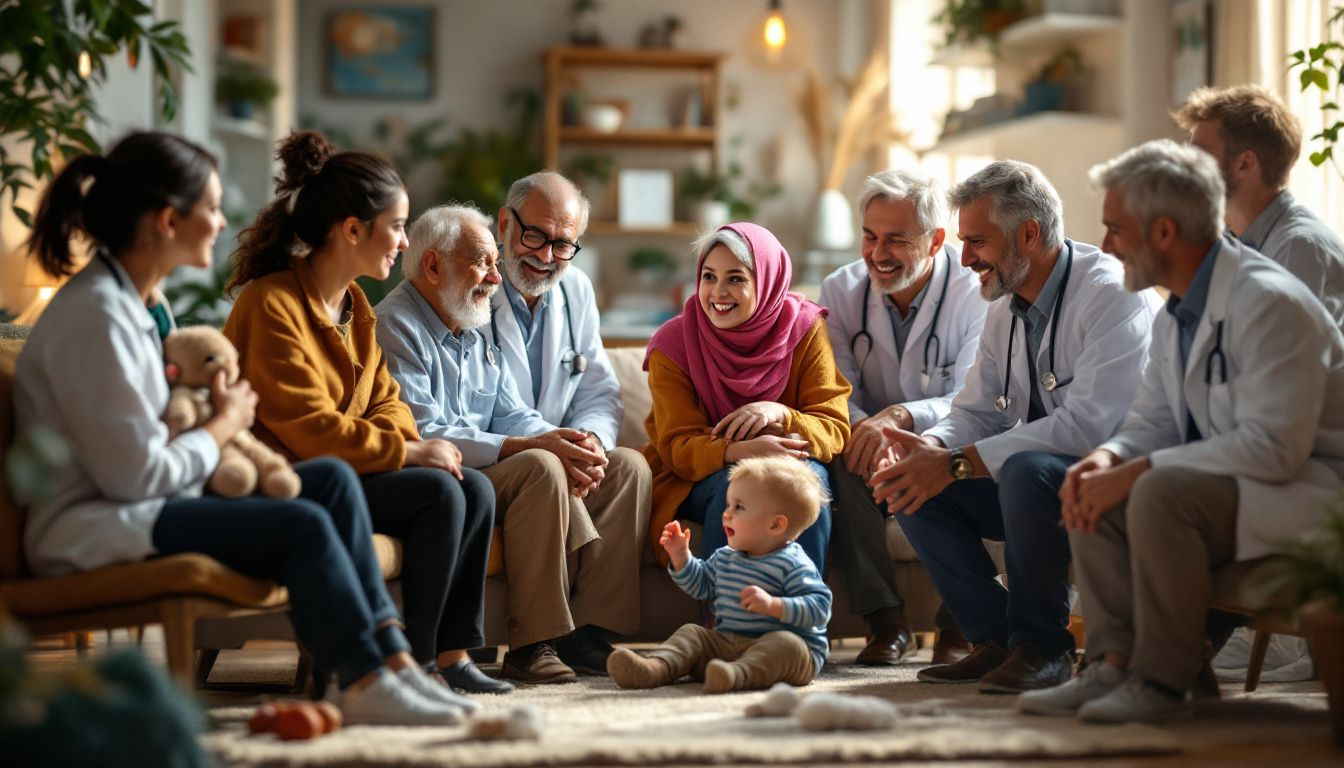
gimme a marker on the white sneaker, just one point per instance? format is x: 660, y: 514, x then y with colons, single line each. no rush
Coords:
x: 1096, y: 680
x: 389, y: 701
x: 1135, y: 700
x: 435, y: 692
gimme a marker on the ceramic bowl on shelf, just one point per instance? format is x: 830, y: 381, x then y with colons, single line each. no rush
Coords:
x: 603, y: 118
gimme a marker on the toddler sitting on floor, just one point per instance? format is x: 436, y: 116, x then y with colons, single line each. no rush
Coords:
x: 771, y: 604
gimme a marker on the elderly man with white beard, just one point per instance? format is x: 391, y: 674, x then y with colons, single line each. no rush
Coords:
x: 561, y: 573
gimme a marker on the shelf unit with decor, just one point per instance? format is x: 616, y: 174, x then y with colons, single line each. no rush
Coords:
x: 562, y: 66
x: 659, y: 130
x: 1063, y: 144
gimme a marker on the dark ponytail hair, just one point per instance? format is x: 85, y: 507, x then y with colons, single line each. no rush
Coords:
x: 330, y: 186
x: 144, y: 173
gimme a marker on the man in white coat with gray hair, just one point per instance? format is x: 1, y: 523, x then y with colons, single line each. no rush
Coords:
x: 1235, y: 442
x: 904, y: 323
x: 1057, y: 369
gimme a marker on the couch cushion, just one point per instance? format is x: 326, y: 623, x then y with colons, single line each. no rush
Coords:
x: 636, y: 401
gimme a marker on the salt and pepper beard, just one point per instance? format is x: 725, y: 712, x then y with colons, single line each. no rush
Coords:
x: 523, y: 282
x: 1008, y: 275
x: 905, y: 279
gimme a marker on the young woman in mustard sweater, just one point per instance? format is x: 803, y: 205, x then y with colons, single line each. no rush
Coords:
x: 305, y: 334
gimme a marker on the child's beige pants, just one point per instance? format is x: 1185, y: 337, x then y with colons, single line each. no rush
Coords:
x: 762, y: 661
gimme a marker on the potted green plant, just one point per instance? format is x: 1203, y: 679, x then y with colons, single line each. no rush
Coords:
x: 1307, y: 574
x: 969, y: 20
x: 713, y: 198
x: 243, y: 88
x: 652, y: 265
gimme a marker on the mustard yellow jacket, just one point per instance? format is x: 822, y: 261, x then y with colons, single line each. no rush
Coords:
x: 321, y: 393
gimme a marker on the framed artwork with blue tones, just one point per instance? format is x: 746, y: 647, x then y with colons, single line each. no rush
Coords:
x: 381, y: 52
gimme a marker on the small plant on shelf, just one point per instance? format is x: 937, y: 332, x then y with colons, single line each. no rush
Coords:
x: 970, y: 20
x: 243, y: 88
x: 1317, y: 66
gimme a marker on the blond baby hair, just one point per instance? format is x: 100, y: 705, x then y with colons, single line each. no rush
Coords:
x: 792, y: 482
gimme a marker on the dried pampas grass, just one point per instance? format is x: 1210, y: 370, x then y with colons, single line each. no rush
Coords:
x: 866, y: 123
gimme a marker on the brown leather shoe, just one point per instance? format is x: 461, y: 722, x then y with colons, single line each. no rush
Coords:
x: 983, y: 659
x: 950, y: 647
x: 1027, y: 669
x: 888, y: 646
x: 537, y: 664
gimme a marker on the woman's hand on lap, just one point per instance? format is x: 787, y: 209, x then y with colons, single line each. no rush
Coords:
x: 750, y: 420
x: 767, y: 445
x: 435, y: 453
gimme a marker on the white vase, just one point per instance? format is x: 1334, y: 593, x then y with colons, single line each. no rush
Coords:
x: 833, y: 222
x: 709, y: 215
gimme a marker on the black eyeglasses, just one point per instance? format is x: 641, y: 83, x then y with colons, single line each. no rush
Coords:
x: 535, y: 239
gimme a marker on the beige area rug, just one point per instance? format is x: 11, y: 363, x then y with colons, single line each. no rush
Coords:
x: 595, y: 723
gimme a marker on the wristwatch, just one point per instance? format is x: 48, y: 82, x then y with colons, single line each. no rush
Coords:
x: 959, y: 467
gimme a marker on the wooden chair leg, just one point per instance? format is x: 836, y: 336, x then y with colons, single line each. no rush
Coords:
x: 179, y: 637
x: 1259, y: 647
x: 204, y: 663
x: 139, y: 635
x: 83, y: 642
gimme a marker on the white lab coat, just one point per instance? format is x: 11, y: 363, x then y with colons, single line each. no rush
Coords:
x: 1276, y: 423
x: 591, y: 400
x: 885, y: 381
x: 1103, y: 346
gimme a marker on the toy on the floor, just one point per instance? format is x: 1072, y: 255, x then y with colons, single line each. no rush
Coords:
x: 516, y: 724
x: 192, y: 356
x: 295, y: 720
x: 827, y: 711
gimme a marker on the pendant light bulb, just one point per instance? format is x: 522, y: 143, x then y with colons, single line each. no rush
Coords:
x: 85, y: 65
x: 776, y: 34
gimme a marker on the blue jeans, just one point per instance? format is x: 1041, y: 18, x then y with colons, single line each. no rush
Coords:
x: 709, y: 498
x: 319, y: 546
x: 1021, y: 510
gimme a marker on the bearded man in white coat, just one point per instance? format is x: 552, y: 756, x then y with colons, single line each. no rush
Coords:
x: 1057, y: 369
x: 904, y: 323
x: 1235, y: 442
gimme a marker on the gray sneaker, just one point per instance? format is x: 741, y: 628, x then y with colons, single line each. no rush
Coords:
x: 1135, y: 701
x: 1096, y: 680
x: 390, y: 701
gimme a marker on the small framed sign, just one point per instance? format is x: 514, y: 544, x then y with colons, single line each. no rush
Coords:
x: 644, y: 198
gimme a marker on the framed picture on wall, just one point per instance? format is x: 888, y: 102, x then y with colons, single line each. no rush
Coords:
x: 381, y: 52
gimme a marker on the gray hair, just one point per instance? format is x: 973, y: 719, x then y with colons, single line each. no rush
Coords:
x: 552, y: 185
x: 1017, y: 193
x: 729, y: 239
x: 1163, y: 178
x: 438, y: 228
x: 900, y: 185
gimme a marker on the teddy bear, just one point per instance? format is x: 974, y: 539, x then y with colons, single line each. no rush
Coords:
x: 191, y: 358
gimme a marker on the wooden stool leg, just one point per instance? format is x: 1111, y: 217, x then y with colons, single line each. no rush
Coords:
x: 204, y: 663
x: 178, y: 617
x: 1259, y: 647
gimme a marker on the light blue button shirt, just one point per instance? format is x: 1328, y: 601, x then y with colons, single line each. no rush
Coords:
x: 533, y: 323
x: 1036, y: 317
x: 458, y: 387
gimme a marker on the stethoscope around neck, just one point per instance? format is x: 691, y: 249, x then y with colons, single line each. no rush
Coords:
x: 932, y: 341
x: 1048, y: 381
x: 575, y: 361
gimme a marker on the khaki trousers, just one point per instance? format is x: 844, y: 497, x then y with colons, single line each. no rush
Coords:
x: 570, y: 562
x: 1146, y: 574
x: 775, y: 657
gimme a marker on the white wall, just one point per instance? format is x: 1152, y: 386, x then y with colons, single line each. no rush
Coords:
x: 485, y: 49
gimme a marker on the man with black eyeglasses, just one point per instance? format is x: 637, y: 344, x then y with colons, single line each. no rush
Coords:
x: 545, y: 323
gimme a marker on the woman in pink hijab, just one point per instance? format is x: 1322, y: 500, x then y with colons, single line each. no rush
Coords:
x: 745, y: 370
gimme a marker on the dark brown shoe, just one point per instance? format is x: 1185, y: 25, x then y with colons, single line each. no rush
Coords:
x: 537, y: 664
x: 1027, y: 669
x: 888, y: 646
x: 983, y: 659
x: 951, y: 647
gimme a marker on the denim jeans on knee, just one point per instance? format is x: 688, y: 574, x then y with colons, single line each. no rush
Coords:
x: 709, y: 497
x: 1021, y: 510
x: 296, y: 543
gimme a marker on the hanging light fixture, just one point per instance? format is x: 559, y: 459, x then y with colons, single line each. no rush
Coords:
x: 773, y: 42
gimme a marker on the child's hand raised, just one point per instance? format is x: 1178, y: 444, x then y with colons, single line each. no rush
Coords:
x: 677, y: 541
x: 756, y: 600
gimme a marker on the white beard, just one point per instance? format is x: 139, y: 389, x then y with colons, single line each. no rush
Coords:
x: 462, y: 307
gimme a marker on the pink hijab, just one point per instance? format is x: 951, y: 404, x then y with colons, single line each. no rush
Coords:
x: 749, y: 363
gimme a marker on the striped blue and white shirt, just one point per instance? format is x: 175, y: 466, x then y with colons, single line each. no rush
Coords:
x: 787, y: 573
